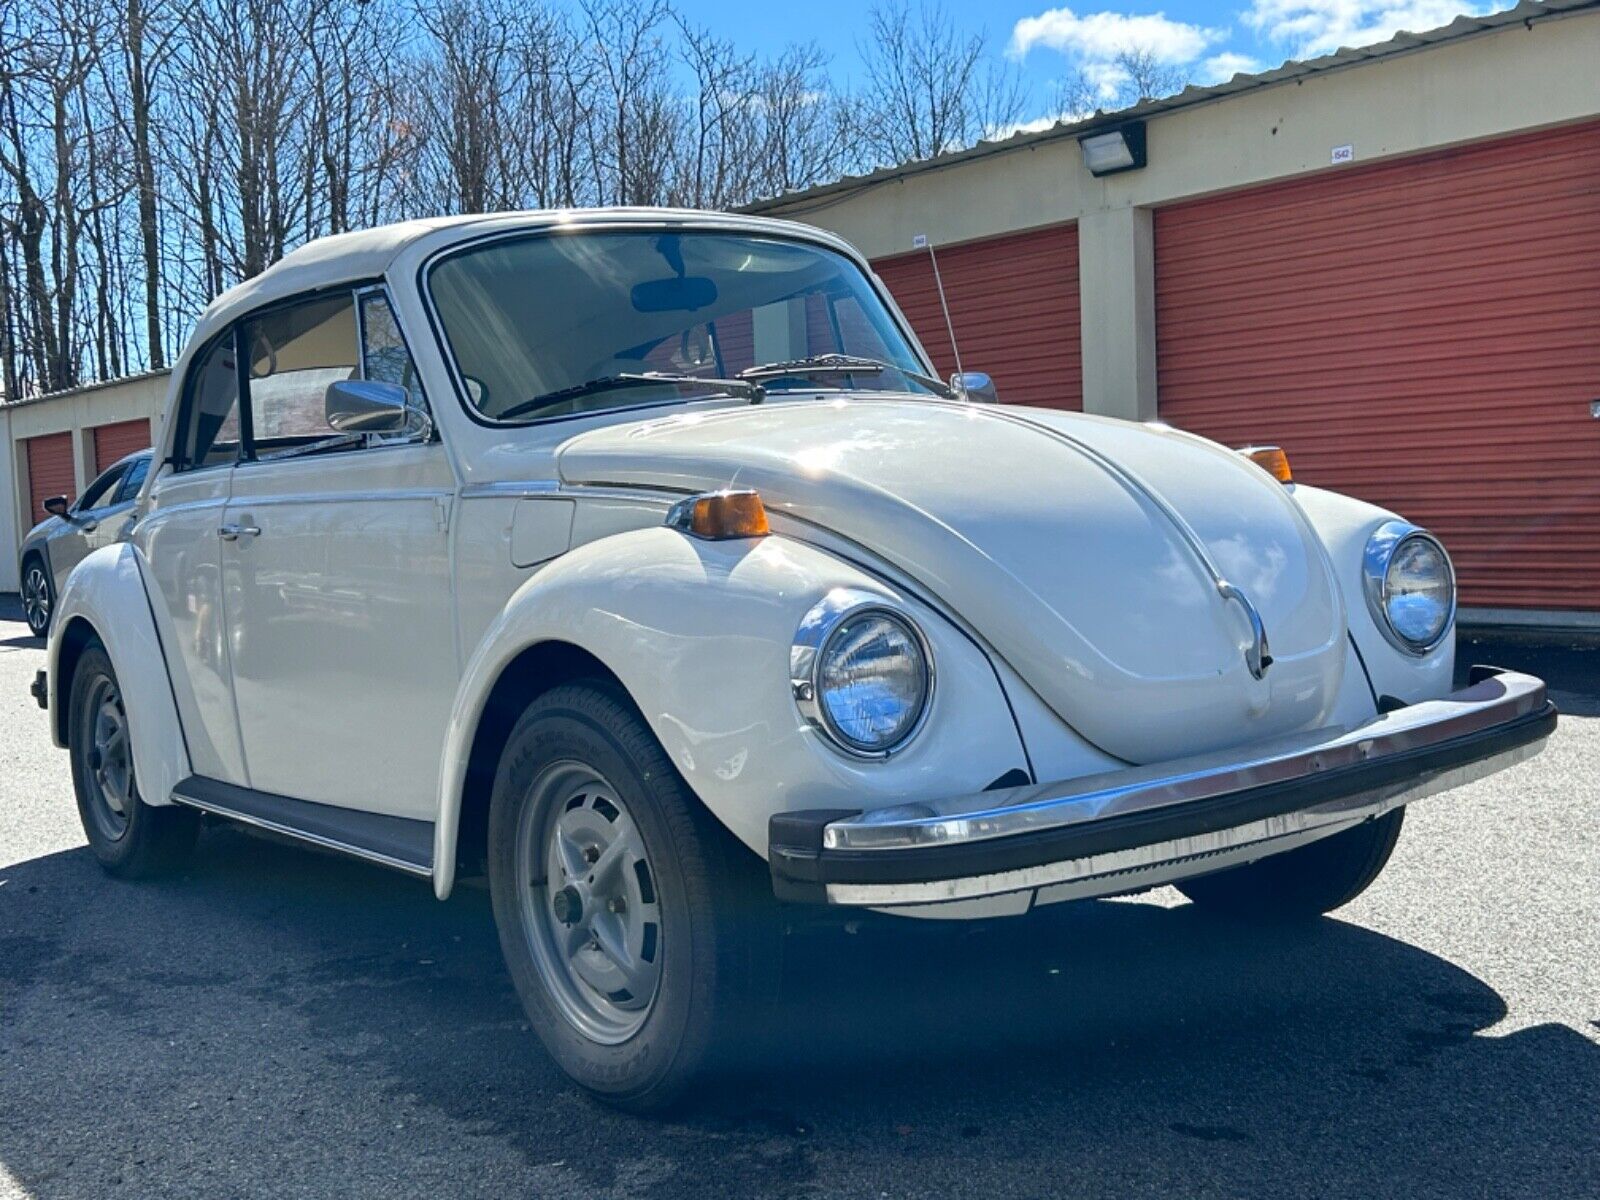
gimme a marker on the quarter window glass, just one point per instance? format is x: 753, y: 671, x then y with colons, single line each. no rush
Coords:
x: 295, y: 353
x: 212, y: 433
x: 133, y: 480
x: 384, y: 356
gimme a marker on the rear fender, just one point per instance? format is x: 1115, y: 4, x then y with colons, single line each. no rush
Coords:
x: 699, y: 633
x: 105, y: 596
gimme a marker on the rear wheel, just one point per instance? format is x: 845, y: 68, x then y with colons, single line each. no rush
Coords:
x: 38, y: 596
x: 630, y: 921
x: 1306, y: 882
x: 130, y: 838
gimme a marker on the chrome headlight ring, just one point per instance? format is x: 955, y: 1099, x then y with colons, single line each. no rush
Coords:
x: 808, y: 653
x: 1382, y: 547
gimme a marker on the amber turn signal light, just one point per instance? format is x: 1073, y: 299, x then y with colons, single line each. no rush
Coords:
x: 1272, y: 460
x: 717, y: 516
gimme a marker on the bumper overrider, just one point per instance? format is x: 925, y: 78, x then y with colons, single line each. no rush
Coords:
x: 1128, y: 830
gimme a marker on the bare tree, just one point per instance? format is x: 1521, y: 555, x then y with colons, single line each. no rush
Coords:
x: 929, y: 88
x: 1133, y: 75
x: 154, y: 152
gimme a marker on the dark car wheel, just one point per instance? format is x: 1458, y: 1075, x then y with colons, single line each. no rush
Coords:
x: 635, y: 928
x: 1307, y: 882
x: 38, y: 596
x: 130, y: 838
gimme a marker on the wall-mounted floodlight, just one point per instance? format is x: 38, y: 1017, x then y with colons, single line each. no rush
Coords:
x: 1114, y: 150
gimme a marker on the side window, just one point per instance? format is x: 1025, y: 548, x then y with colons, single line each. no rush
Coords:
x: 133, y: 480
x: 211, y: 409
x: 99, y: 493
x: 295, y: 352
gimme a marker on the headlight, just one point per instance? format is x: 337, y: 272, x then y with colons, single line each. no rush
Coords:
x: 861, y: 673
x: 1410, y: 585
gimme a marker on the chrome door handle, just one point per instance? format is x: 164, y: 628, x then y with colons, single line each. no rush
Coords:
x: 232, y: 533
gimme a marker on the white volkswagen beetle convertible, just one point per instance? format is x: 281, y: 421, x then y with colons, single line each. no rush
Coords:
x: 638, y: 560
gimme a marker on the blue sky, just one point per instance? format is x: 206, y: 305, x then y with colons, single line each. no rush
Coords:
x: 1209, y: 40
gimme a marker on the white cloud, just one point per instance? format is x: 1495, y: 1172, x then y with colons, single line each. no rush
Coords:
x: 1220, y: 68
x: 1311, y: 27
x: 1038, y: 125
x: 1099, y: 37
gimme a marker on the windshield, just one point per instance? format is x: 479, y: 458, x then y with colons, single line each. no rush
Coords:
x: 557, y: 324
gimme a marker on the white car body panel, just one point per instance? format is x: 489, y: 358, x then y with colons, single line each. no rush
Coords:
x: 1025, y: 553
x: 177, y: 538
x: 340, y: 618
x: 699, y: 634
x: 107, y: 590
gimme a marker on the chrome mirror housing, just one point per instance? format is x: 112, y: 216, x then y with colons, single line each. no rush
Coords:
x: 974, y: 387
x: 367, y: 406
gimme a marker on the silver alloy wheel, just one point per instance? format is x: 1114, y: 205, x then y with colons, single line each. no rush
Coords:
x: 112, y: 789
x: 36, y: 598
x: 590, y: 907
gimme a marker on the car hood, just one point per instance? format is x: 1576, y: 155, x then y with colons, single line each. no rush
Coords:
x: 1059, y: 538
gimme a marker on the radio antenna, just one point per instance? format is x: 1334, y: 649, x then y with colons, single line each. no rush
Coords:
x: 919, y: 242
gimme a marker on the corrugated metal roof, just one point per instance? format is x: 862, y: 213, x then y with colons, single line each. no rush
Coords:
x: 98, y: 385
x: 1402, y: 43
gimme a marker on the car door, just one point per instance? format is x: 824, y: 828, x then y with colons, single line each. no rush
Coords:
x: 79, y: 530
x: 336, y: 570
x: 111, y: 517
x: 177, y: 537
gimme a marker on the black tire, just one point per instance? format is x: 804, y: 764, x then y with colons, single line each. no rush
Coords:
x: 717, y: 940
x: 38, y: 595
x: 131, y: 839
x: 1307, y: 882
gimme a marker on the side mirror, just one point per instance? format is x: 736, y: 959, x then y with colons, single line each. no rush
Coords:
x: 57, y: 506
x: 974, y: 387
x: 366, y: 406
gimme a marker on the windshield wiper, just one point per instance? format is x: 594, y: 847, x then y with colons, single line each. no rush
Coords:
x: 733, y: 387
x: 841, y: 364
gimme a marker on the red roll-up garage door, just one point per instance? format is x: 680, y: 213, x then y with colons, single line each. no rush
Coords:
x: 112, y: 442
x: 49, y: 471
x: 1014, y: 304
x: 1423, y: 333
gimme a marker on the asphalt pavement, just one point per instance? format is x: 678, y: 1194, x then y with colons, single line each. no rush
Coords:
x: 280, y: 1022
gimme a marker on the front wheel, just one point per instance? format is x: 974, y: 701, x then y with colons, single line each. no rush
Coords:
x: 130, y: 838
x: 632, y: 924
x: 38, y: 597
x: 1306, y: 882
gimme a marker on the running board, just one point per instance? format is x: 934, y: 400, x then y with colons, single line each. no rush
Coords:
x: 398, y: 842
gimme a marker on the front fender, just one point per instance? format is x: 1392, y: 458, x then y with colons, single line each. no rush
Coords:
x: 699, y: 633
x: 106, y: 591
x: 1345, y: 524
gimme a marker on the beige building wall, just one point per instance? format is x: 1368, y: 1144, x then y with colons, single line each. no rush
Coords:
x: 1514, y: 78
x: 78, y: 412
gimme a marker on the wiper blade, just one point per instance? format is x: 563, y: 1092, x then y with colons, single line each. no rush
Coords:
x: 733, y: 387
x: 841, y: 364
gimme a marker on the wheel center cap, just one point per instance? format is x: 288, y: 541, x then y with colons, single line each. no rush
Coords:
x: 567, y: 904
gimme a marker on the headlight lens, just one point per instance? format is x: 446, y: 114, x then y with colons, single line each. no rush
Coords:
x: 861, y: 673
x: 1411, y: 586
x: 872, y: 681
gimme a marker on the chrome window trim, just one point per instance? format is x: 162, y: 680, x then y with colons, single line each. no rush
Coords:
x: 821, y: 622
x: 1380, y: 550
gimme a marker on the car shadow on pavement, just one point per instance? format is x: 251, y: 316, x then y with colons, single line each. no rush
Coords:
x: 280, y: 1022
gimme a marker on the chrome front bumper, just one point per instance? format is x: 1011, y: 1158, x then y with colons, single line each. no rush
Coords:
x: 1131, y: 829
